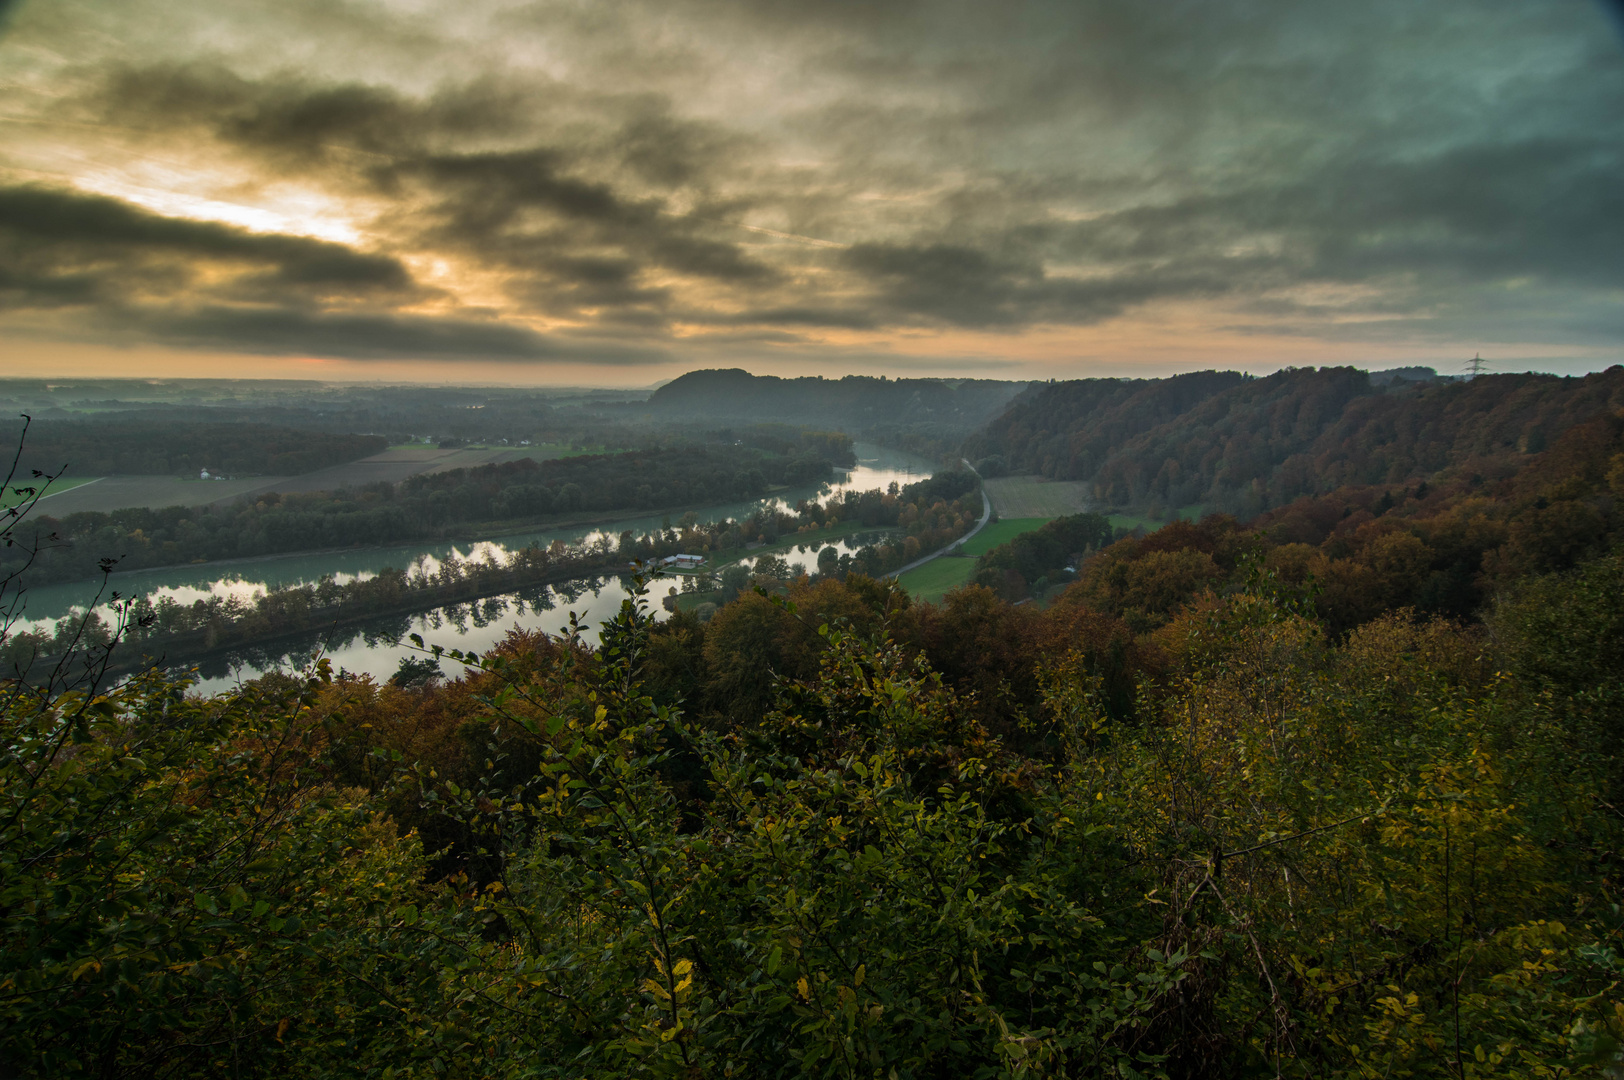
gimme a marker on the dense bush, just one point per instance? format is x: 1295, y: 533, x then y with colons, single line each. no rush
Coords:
x: 1370, y: 858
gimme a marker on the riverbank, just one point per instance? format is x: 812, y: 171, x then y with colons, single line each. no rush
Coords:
x: 196, y: 634
x: 877, y: 468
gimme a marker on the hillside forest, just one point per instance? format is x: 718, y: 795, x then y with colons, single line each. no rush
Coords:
x: 1328, y: 789
x: 1232, y: 443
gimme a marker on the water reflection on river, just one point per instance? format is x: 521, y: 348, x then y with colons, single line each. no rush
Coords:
x: 377, y: 649
x: 466, y: 626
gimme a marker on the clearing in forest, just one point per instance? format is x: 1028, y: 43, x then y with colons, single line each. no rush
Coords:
x: 945, y: 573
x: 1001, y: 531
x: 938, y: 577
x: 1035, y: 497
x: 1193, y: 512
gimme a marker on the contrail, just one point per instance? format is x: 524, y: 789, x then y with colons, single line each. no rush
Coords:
x: 760, y: 229
x: 786, y: 235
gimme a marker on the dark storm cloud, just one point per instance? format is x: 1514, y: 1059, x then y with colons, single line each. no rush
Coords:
x: 1551, y: 209
x: 552, y: 206
x: 372, y: 336
x: 520, y: 207
x: 967, y: 287
x: 60, y: 247
x: 296, y: 121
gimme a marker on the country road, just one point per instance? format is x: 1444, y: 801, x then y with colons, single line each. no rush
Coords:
x: 986, y: 514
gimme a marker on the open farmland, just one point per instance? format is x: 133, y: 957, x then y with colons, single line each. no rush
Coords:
x: 1035, y: 497
x: 392, y: 466
x: 117, y: 492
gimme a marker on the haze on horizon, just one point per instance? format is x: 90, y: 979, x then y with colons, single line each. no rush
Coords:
x: 613, y: 192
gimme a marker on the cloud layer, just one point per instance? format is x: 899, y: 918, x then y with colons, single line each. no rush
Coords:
x: 637, y: 183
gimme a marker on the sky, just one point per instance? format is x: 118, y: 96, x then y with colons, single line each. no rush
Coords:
x: 612, y: 192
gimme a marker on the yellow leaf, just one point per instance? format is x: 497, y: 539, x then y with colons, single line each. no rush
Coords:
x: 806, y: 991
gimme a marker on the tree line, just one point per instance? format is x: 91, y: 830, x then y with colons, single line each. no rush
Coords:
x: 234, y: 624
x: 239, y: 626
x: 426, y: 506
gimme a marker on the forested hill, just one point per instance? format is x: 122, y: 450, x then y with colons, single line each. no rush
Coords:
x: 854, y: 403
x: 101, y: 446
x: 1243, y: 445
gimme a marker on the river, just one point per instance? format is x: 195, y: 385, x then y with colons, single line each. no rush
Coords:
x: 478, y: 626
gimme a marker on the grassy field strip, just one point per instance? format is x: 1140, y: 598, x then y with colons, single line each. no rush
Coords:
x: 942, y: 575
x: 9, y: 497
x: 938, y: 577
x: 1035, y: 497
x: 1001, y: 531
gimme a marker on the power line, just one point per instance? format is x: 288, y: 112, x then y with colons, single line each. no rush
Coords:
x: 1477, y: 365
